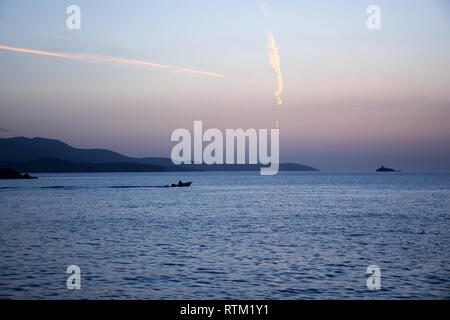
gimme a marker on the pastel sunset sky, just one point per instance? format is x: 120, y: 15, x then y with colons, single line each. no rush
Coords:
x: 353, y: 98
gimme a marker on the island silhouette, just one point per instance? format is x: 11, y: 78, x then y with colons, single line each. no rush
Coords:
x: 9, y: 173
x: 50, y: 156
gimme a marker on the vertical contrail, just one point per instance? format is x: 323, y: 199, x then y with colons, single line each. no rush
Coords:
x: 275, y: 63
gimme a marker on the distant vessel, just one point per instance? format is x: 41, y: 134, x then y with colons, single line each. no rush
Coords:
x: 384, y: 169
x: 181, y: 184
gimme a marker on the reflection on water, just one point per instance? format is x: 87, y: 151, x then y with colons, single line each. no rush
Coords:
x: 230, y: 235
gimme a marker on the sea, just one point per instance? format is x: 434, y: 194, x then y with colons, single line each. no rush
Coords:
x: 231, y: 235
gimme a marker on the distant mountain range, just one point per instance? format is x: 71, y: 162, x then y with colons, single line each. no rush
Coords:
x: 48, y: 155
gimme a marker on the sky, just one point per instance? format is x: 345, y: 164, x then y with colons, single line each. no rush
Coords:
x: 353, y: 98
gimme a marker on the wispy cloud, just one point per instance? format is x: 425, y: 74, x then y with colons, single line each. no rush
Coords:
x: 3, y: 130
x: 109, y: 59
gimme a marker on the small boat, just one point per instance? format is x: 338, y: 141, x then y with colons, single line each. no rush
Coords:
x: 182, y: 184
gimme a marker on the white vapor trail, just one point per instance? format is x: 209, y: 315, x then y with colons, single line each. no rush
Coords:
x: 275, y: 63
x: 109, y: 59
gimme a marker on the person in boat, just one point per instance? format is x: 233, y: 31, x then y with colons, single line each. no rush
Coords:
x: 180, y: 183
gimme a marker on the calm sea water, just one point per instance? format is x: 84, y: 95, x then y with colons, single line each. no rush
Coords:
x: 230, y: 235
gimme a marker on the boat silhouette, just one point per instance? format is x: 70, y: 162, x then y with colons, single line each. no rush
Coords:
x: 181, y: 184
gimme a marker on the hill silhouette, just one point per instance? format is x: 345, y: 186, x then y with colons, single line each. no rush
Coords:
x: 49, y: 155
x: 28, y: 149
